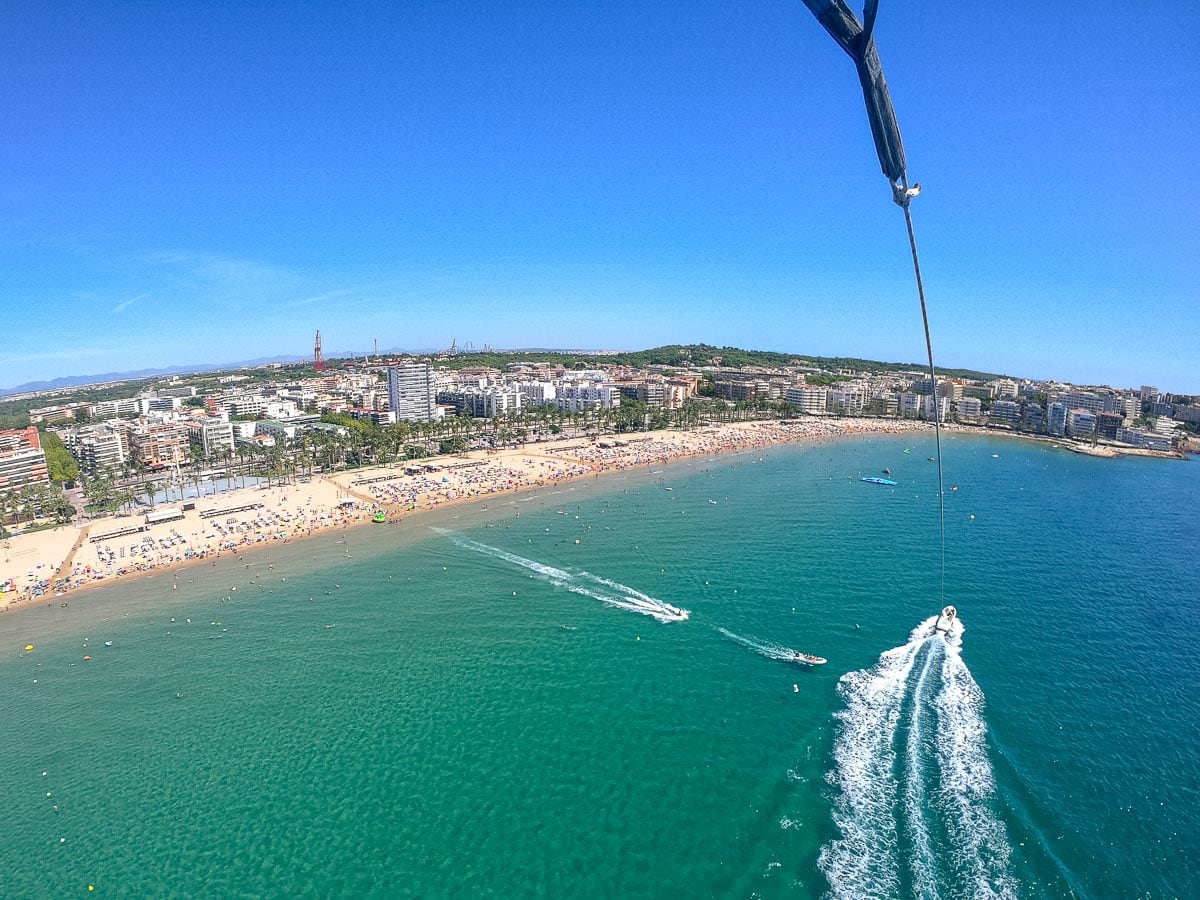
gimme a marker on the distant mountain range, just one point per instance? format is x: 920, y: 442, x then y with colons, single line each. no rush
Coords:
x: 78, y: 380
x: 69, y: 381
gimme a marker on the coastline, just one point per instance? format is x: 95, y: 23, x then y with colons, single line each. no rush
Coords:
x: 57, y: 565
x: 48, y: 566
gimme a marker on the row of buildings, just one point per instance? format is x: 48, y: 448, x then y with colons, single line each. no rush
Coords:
x: 172, y: 424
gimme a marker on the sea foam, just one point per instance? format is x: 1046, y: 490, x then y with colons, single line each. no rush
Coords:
x: 914, y: 780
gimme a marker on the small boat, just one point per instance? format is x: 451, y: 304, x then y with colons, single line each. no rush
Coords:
x: 808, y: 659
x: 871, y: 479
x: 931, y: 459
x: 944, y: 620
x: 887, y: 471
x: 955, y: 488
x: 995, y: 456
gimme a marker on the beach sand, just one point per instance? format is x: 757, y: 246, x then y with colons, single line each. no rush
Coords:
x: 52, y: 565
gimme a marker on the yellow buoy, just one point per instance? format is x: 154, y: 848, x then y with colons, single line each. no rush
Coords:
x: 28, y: 648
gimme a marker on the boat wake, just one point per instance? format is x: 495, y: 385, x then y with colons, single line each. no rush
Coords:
x: 605, y: 590
x: 763, y: 648
x: 916, y: 787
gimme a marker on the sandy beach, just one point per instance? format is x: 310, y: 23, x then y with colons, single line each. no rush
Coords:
x: 52, y: 565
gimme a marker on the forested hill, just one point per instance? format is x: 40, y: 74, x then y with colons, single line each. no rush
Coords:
x: 695, y: 355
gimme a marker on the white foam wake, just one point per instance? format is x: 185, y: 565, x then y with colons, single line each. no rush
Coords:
x: 763, y: 648
x: 605, y: 590
x: 967, y: 783
x: 915, y: 784
x: 863, y: 861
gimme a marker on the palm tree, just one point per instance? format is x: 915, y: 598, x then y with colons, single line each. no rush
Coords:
x: 198, y: 460
x: 226, y: 456
x: 242, y: 451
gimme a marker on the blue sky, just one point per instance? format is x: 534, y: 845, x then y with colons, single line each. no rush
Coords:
x: 205, y: 182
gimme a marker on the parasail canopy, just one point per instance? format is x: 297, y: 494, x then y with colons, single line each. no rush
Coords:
x: 857, y: 40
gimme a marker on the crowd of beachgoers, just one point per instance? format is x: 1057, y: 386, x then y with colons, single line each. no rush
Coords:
x: 272, y: 519
x: 53, y: 563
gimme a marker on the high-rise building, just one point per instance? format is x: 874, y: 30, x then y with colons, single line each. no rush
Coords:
x: 412, y: 393
x: 22, y: 459
x: 97, y: 447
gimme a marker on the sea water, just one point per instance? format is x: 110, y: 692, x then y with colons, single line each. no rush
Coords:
x: 586, y: 691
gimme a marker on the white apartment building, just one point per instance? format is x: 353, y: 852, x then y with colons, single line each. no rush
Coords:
x: 211, y: 437
x: 112, y: 409
x: 1056, y: 418
x: 1006, y: 411
x: 910, y: 403
x: 1080, y: 423
x: 1138, y: 438
x: 968, y: 408
x: 810, y: 400
x: 244, y: 405
x: 1083, y: 400
x: 487, y: 403
x: 97, y: 447
x: 536, y: 392
x: 1005, y: 389
x: 160, y: 404
x: 927, y: 408
x: 1131, y: 407
x: 412, y: 392
x: 578, y: 396
x: 849, y: 399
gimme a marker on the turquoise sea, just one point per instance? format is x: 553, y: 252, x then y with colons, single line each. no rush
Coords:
x: 501, y: 702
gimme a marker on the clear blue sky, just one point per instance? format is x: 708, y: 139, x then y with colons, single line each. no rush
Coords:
x: 206, y: 182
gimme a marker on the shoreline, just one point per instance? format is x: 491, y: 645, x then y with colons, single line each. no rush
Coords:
x: 67, y: 562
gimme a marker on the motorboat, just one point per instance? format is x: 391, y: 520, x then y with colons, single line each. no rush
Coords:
x: 872, y: 479
x: 807, y: 659
x: 945, y: 620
